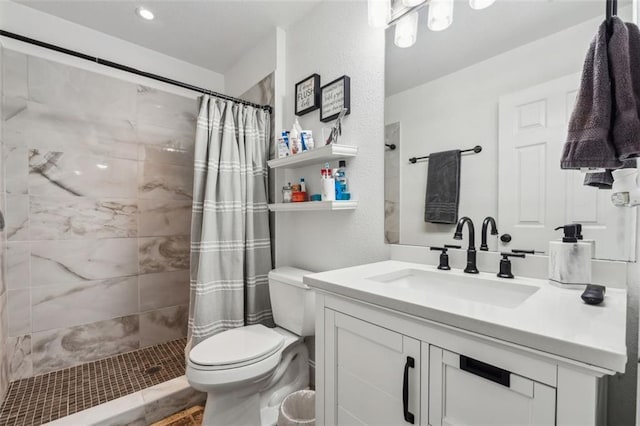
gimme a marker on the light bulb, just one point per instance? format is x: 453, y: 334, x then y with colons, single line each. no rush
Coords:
x: 412, y: 3
x: 378, y: 13
x: 480, y: 4
x: 145, y: 13
x: 407, y: 30
x: 440, y: 14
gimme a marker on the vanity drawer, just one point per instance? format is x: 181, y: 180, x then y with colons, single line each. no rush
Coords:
x: 466, y: 391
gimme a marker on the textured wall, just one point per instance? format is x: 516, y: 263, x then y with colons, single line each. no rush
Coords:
x: 332, y: 40
x: 98, y: 214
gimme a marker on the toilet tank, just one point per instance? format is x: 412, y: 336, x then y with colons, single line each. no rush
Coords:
x: 293, y: 302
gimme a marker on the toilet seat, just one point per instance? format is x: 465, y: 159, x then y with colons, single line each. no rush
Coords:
x: 236, y: 348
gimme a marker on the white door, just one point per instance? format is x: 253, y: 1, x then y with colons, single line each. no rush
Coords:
x: 464, y: 391
x: 534, y: 194
x: 372, y: 374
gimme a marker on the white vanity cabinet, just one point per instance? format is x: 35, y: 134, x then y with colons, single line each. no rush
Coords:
x: 375, y: 373
x: 376, y: 366
x: 466, y: 391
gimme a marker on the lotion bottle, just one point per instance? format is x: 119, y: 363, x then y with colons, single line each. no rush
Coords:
x: 570, y: 258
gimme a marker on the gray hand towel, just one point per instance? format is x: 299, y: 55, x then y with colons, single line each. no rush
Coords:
x: 624, y: 65
x: 589, y: 142
x: 604, y: 180
x: 443, y: 187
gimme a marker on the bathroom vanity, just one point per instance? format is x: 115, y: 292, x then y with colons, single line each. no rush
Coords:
x: 403, y: 343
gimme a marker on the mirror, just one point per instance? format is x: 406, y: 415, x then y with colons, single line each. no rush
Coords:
x: 504, y: 78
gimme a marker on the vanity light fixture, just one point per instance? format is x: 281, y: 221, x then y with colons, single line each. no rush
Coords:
x: 407, y: 30
x: 480, y: 4
x: 378, y: 13
x: 404, y: 15
x: 145, y: 13
x: 440, y: 15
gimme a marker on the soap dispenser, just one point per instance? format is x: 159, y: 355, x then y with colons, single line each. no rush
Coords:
x: 570, y: 258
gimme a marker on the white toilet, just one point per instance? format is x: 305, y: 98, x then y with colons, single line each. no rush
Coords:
x: 247, y: 371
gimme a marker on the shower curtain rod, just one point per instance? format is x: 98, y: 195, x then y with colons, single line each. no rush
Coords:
x: 127, y: 69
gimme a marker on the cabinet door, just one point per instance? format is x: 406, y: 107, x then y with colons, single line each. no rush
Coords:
x: 464, y: 391
x: 372, y: 374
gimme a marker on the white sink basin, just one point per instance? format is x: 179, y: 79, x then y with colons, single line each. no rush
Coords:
x: 475, y: 288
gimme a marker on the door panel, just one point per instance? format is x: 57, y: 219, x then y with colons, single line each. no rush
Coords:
x: 366, y: 385
x: 534, y: 194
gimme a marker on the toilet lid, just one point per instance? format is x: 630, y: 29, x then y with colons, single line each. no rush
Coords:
x: 238, y: 345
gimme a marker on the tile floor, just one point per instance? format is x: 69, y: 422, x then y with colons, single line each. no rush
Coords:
x: 48, y: 397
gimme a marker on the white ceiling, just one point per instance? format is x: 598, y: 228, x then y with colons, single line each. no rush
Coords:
x: 213, y: 34
x: 478, y: 35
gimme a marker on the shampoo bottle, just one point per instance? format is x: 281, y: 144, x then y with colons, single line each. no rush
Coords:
x: 570, y: 258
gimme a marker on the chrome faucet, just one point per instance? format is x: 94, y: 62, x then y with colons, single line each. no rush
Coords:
x: 494, y: 231
x: 471, y: 250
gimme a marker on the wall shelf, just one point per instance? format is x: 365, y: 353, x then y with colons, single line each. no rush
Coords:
x: 313, y: 206
x: 326, y: 153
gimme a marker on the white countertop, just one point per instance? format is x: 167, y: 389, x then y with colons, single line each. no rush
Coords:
x: 552, y: 320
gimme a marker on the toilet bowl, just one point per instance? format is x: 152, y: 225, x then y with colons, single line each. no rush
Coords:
x: 248, y: 371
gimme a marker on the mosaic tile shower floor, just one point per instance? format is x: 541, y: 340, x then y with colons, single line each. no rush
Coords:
x: 48, y: 397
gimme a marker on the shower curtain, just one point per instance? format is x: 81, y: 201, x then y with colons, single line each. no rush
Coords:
x: 230, y: 240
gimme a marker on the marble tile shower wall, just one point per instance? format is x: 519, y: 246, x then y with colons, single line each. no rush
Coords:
x: 4, y: 353
x: 98, y: 191
x: 392, y: 184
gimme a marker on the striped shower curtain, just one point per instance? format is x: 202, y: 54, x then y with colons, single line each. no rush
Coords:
x: 230, y: 241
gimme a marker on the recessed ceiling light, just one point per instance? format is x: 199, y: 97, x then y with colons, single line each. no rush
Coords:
x: 145, y: 13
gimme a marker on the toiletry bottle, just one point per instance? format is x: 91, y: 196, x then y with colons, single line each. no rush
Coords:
x: 303, y: 185
x: 307, y: 140
x: 342, y: 189
x: 570, y: 258
x: 283, y: 148
x: 328, y: 184
x: 296, y: 143
x: 286, y: 193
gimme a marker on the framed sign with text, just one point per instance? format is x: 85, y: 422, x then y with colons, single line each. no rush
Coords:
x: 308, y: 94
x: 335, y: 96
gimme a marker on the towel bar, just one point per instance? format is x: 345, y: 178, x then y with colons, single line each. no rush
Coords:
x: 476, y: 149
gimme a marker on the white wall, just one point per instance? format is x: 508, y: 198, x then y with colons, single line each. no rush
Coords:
x: 266, y: 57
x: 253, y: 66
x: 460, y: 110
x: 41, y: 26
x: 332, y: 40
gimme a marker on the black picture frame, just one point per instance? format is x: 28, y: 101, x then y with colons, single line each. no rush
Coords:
x: 330, y: 111
x: 314, y: 79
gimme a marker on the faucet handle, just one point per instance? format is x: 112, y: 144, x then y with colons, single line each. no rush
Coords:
x: 444, y: 257
x: 527, y: 251
x: 505, y: 264
x: 519, y: 253
x: 453, y: 246
x: 523, y: 251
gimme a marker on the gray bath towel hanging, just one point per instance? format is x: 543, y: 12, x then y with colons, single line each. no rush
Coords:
x: 443, y: 187
x: 624, y: 65
x: 589, y: 143
x: 587, y: 124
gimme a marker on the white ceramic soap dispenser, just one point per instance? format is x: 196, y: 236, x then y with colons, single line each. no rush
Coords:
x: 570, y: 258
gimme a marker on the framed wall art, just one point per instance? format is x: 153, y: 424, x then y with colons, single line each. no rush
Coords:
x: 334, y: 97
x: 307, y: 95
